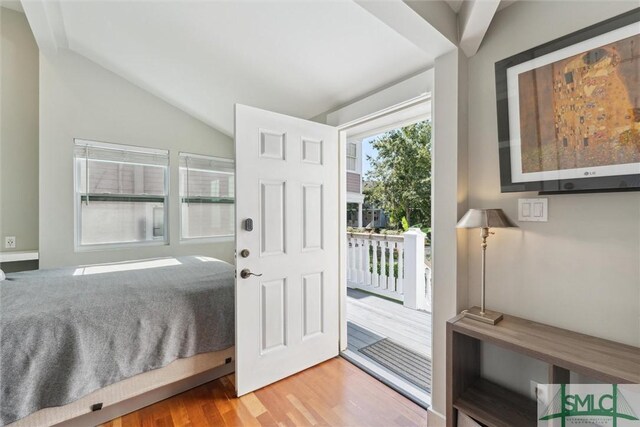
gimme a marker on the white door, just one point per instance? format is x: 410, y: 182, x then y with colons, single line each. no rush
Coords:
x: 287, y: 186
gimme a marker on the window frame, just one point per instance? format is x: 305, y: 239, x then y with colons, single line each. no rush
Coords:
x: 204, y: 239
x: 354, y: 157
x: 78, y: 199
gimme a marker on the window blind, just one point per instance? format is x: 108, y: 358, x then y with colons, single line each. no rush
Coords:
x: 207, y: 164
x: 122, y: 193
x: 207, y: 196
x: 100, y: 151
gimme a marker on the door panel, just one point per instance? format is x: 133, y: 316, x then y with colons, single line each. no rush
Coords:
x: 273, y: 314
x: 272, y: 217
x: 312, y: 304
x: 312, y: 218
x: 287, y: 183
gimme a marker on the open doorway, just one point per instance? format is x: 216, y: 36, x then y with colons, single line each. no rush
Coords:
x: 387, y: 266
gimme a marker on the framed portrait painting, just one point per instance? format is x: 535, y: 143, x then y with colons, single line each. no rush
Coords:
x: 569, y: 112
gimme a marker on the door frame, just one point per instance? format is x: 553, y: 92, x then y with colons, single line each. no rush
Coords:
x: 398, y: 115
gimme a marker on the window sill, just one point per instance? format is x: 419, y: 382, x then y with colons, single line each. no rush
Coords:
x: 119, y: 246
x: 205, y: 240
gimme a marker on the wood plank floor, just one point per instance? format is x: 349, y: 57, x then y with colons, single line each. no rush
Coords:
x: 388, y: 319
x: 334, y: 393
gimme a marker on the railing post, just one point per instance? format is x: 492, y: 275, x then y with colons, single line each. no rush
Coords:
x: 414, y: 279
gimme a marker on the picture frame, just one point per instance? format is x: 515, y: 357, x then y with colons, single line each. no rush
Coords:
x: 569, y: 112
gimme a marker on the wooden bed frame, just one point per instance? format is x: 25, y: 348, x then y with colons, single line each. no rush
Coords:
x: 136, y: 392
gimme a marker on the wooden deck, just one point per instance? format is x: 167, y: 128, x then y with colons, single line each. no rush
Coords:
x: 388, y: 319
x: 402, y: 336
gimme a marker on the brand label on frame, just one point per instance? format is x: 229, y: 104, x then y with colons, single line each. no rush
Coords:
x: 582, y: 405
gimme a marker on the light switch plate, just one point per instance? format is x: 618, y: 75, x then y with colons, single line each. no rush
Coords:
x: 536, y: 210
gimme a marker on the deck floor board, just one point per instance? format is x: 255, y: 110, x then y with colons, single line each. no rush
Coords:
x: 388, y: 319
x: 373, y: 321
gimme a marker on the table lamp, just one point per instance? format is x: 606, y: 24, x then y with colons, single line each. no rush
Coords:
x: 484, y: 219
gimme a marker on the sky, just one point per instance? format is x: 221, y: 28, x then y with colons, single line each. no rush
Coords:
x: 368, y: 150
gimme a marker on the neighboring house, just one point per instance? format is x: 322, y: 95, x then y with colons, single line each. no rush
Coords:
x: 355, y: 198
x: 373, y: 216
x: 360, y: 214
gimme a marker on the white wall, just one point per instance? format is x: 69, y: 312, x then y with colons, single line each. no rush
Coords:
x: 19, y: 132
x: 449, y: 193
x: 580, y: 270
x: 79, y: 99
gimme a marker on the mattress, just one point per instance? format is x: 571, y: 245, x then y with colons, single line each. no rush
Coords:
x: 69, y: 332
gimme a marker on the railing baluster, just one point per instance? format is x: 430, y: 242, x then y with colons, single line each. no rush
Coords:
x: 400, y: 280
x: 383, y: 265
x: 363, y: 257
x: 391, y: 278
x: 374, y: 274
x: 384, y: 271
x: 351, y: 260
x: 359, y: 260
x: 354, y: 253
x: 367, y: 262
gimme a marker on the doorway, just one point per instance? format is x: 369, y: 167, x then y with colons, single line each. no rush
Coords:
x: 386, y: 313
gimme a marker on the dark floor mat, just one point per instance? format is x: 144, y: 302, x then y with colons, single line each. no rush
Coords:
x: 411, y: 366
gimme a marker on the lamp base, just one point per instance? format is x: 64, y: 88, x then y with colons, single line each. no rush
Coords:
x: 490, y: 317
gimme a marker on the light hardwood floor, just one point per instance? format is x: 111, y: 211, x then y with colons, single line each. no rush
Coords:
x: 334, y: 393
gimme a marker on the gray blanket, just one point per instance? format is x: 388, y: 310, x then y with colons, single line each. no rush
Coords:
x: 65, y: 333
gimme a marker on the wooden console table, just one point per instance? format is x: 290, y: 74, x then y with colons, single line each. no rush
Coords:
x: 564, y: 351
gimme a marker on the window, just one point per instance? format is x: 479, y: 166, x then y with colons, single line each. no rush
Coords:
x: 352, y: 156
x: 121, y: 194
x: 207, y: 196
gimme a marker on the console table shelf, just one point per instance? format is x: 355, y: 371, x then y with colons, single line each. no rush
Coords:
x: 492, y: 405
x: 563, y: 350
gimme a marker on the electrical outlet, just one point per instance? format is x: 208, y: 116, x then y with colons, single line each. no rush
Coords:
x: 9, y: 242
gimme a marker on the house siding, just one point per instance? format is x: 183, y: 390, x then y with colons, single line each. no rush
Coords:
x: 353, y: 182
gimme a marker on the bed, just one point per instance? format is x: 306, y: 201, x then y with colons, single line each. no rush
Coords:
x: 100, y: 335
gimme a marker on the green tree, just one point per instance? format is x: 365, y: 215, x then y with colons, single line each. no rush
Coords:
x: 399, y: 180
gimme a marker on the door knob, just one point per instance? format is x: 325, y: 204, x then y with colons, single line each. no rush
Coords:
x: 246, y: 273
x: 244, y: 253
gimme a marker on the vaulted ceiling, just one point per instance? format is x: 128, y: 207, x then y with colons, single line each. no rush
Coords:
x: 295, y: 57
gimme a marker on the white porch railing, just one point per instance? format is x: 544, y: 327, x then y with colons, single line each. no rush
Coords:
x: 390, y: 265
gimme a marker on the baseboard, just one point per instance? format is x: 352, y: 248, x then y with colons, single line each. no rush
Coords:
x: 434, y: 419
x: 130, y: 405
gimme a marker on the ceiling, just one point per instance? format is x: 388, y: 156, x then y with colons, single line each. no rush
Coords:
x: 301, y: 58
x: 298, y: 58
x: 456, y: 5
x: 13, y: 5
